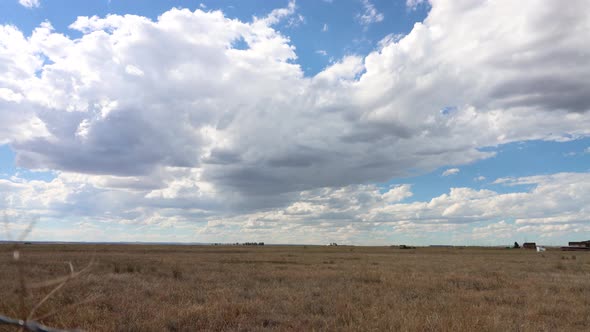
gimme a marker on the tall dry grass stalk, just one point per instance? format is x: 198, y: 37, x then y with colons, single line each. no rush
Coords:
x: 28, y: 321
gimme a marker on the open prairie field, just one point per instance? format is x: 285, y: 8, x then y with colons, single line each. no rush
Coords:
x: 284, y: 288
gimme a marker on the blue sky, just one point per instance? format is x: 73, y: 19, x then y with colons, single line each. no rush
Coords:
x: 515, y: 160
x: 295, y: 122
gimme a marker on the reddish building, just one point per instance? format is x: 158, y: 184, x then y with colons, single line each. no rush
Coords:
x: 529, y: 245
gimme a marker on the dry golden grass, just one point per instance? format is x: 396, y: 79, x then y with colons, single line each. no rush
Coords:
x: 189, y: 288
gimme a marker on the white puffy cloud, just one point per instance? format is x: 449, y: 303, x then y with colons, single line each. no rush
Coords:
x: 173, y: 111
x: 397, y: 193
x: 250, y: 120
x: 554, y: 199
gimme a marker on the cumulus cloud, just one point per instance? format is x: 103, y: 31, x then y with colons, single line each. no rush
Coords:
x: 553, y: 205
x: 397, y: 193
x: 554, y: 199
x: 362, y: 119
x: 30, y: 3
x: 190, y: 120
x: 450, y: 171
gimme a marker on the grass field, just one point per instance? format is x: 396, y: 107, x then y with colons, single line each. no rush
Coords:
x: 239, y: 288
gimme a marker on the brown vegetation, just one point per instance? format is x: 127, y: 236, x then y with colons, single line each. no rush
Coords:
x: 259, y: 288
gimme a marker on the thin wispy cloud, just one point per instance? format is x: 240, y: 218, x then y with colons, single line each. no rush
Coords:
x: 413, y: 4
x: 370, y: 14
x: 30, y: 3
x: 450, y: 171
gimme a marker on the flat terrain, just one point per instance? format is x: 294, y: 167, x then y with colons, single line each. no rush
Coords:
x: 244, y: 288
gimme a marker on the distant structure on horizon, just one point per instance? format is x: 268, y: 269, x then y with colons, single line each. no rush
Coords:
x: 584, y: 244
x: 577, y: 246
x: 529, y: 245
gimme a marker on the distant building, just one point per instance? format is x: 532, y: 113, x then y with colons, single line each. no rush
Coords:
x: 577, y: 246
x: 529, y: 245
x: 585, y: 244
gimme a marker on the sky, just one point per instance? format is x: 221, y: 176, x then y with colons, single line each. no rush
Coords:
x: 365, y: 122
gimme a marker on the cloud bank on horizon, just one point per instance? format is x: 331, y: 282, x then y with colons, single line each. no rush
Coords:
x: 208, y: 125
